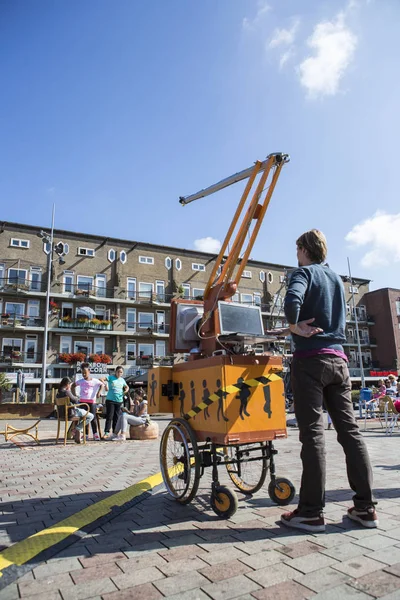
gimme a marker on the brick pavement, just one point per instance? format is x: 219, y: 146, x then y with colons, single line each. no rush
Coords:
x: 159, y: 549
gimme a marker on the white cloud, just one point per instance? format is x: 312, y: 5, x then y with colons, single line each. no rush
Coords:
x: 333, y: 45
x: 286, y: 56
x: 262, y: 9
x: 381, y: 234
x: 207, y: 244
x: 284, y: 37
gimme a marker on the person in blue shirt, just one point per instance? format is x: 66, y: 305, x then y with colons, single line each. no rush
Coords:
x: 117, y: 388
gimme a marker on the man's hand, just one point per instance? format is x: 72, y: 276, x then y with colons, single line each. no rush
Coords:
x: 304, y: 329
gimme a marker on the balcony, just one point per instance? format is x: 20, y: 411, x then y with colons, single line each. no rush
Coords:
x: 149, y: 361
x: 93, y: 324
x: 18, y: 285
x: 84, y: 290
x: 352, y: 341
x: 17, y: 357
x: 144, y: 329
x: 148, y: 298
x: 9, y: 321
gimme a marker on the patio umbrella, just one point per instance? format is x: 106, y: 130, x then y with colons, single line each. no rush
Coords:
x: 88, y: 310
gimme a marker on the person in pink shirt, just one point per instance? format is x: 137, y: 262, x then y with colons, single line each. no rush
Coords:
x: 89, y: 388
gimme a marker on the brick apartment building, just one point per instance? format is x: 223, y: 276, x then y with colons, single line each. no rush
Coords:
x: 111, y: 297
x: 384, y: 306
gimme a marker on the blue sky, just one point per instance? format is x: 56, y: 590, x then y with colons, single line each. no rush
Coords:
x: 112, y: 110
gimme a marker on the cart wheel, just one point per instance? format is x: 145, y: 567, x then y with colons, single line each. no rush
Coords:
x: 179, y: 461
x: 281, y: 491
x: 248, y: 476
x: 224, y: 502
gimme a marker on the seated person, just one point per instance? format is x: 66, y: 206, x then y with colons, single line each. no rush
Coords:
x: 138, y: 416
x: 65, y: 391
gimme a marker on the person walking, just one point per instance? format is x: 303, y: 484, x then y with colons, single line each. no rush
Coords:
x: 315, y: 309
x: 89, y: 388
x: 117, y: 388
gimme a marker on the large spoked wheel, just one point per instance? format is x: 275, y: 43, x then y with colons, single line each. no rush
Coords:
x: 179, y: 461
x: 281, y: 491
x: 224, y: 502
x: 248, y: 466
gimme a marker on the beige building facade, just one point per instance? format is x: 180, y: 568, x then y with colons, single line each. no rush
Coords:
x: 110, y: 301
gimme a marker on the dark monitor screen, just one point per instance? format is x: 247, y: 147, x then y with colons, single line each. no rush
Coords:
x: 237, y: 318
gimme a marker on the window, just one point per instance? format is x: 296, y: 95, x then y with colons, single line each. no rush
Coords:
x: 84, y: 283
x: 36, y: 279
x: 123, y: 257
x: 262, y: 276
x: 146, y: 260
x: 46, y: 247
x: 10, y: 344
x: 350, y: 333
x: 33, y: 308
x: 178, y: 264
x: 348, y: 309
x: 146, y: 350
x: 86, y: 252
x: 17, y: 243
x: 160, y: 320
x: 186, y: 290
x: 66, y: 248
x: 270, y: 277
x: 130, y: 350
x: 15, y: 309
x: 2, y: 271
x: 67, y: 310
x: 111, y: 255
x: 131, y: 288
x: 146, y: 320
x: 160, y: 348
x: 99, y: 345
x: 353, y: 289
x: 68, y: 282
x: 246, y: 298
x: 85, y: 347
x: 278, y: 301
x: 160, y: 291
x: 257, y: 299
x: 236, y: 297
x: 198, y: 293
x: 145, y: 291
x: 101, y: 283
x: 31, y: 348
x: 131, y: 319
x: 168, y: 263
x: 398, y: 307
x: 246, y: 274
x: 198, y: 267
x: 65, y: 344
x: 100, y: 311
x: 281, y: 279
x: 17, y: 276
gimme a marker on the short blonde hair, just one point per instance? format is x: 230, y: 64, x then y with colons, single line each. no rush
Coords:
x: 314, y: 243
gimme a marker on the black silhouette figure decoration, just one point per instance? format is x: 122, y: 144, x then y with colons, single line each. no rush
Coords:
x: 153, y: 386
x: 193, y: 395
x: 182, y: 397
x: 243, y: 395
x: 206, y: 395
x: 221, y: 395
x: 267, y: 398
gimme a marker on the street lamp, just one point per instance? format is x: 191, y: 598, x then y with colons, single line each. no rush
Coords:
x: 48, y: 239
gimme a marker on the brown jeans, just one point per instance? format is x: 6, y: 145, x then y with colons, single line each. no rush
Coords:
x: 325, y: 379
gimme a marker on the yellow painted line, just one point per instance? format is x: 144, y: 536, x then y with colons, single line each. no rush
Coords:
x: 21, y: 552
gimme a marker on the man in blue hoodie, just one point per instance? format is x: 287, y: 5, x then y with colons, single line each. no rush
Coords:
x: 315, y: 309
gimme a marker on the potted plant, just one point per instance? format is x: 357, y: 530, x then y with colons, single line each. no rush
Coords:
x: 55, y: 309
x: 115, y: 316
x: 95, y: 323
x: 16, y: 354
x: 4, y: 318
x: 105, y: 323
x: 95, y: 358
x: 105, y: 359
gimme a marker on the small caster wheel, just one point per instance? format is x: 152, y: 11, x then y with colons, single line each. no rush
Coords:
x: 281, y: 491
x: 224, y: 502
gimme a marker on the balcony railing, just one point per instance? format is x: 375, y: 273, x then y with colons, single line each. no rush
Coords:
x: 364, y: 341
x: 16, y: 356
x: 13, y: 321
x: 147, y: 329
x: 99, y: 324
x: 86, y: 290
x: 148, y: 297
x: 19, y: 285
x: 150, y: 360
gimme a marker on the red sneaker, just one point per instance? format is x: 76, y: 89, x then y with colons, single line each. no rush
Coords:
x: 366, y: 517
x: 293, y: 519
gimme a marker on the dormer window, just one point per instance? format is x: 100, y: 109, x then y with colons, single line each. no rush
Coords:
x: 123, y: 257
x: 111, y: 255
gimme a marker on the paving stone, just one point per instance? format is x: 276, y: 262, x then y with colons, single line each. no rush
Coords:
x: 358, y: 566
x: 47, y: 596
x: 288, y: 590
x: 181, y: 583
x: 323, y: 579
x: 394, y: 569
x: 182, y: 566
x: 93, y: 573
x: 225, y: 570
x: 269, y: 576
x: 181, y: 552
x: 300, y: 549
x: 190, y: 595
x: 343, y: 592
x: 146, y: 591
x: 221, y: 556
x: 345, y: 551
x: 307, y: 564
x: 45, y: 585
x: 377, y: 583
x: 389, y: 556
x: 377, y: 542
x: 141, y: 562
x: 257, y: 546
x: 10, y: 592
x: 88, y: 590
x: 61, y: 566
x: 137, y: 577
x: 263, y: 559
x: 230, y: 588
